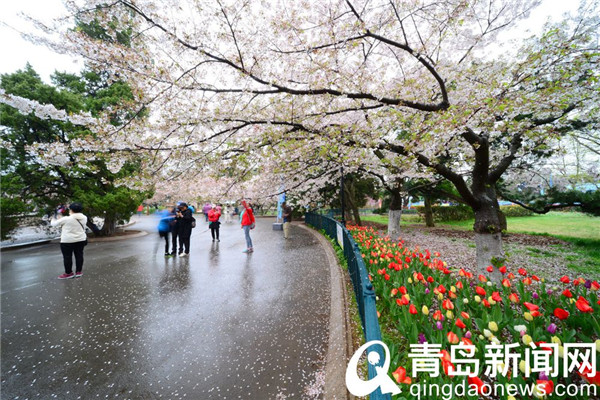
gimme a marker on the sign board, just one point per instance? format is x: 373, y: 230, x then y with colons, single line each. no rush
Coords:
x: 340, y: 236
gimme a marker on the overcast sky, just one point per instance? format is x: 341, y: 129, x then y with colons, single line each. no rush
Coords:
x: 16, y: 52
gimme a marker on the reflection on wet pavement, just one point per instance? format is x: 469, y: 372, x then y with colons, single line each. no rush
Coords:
x: 219, y: 324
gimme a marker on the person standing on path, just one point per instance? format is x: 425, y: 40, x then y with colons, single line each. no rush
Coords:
x: 174, y: 231
x: 185, y: 217
x: 213, y: 217
x: 286, y: 213
x: 228, y: 212
x: 206, y: 209
x: 72, y: 240
x: 164, y: 228
x: 248, y: 223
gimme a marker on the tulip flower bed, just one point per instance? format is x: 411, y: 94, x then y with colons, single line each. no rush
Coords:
x: 422, y: 300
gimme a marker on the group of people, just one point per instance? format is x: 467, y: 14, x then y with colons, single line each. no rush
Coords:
x: 176, y: 224
x: 173, y: 225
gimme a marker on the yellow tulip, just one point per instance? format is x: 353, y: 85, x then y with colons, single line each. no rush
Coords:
x: 561, y: 352
x: 523, y: 367
x: 449, y: 314
x: 440, y: 297
x: 598, y: 345
x: 528, y: 316
x: 453, y: 289
x: 425, y: 310
x: 556, y: 339
x: 478, y: 299
x: 527, y: 339
x: 410, y: 280
x: 487, y: 333
x: 492, y: 301
x: 493, y: 326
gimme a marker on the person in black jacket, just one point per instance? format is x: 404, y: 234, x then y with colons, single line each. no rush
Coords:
x: 185, y: 218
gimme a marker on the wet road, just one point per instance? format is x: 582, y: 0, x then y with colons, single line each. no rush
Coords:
x: 219, y: 324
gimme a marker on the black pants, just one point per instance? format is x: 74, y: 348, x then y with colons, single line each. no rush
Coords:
x: 214, y: 230
x: 174, y: 237
x: 166, y: 236
x: 184, y: 242
x: 68, y: 249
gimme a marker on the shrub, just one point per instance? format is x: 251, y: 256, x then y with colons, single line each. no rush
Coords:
x: 515, y: 211
x: 448, y: 213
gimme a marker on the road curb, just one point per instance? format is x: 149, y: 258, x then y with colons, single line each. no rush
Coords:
x: 339, y: 344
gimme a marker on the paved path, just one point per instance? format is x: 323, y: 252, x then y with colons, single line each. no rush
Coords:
x: 217, y: 325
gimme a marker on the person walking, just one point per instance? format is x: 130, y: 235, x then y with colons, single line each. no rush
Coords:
x: 248, y: 223
x: 206, y: 209
x: 228, y: 213
x: 72, y: 240
x: 164, y: 228
x: 185, y: 217
x: 286, y: 213
x: 213, y: 216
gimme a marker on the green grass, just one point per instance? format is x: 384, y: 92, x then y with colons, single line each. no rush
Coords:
x: 581, y: 230
x: 571, y: 224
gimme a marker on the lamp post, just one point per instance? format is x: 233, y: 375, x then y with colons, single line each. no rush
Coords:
x: 342, y: 196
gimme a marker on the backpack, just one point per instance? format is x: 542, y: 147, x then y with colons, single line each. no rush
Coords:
x: 193, y: 222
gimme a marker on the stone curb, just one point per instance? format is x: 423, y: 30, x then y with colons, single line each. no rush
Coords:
x: 90, y: 240
x: 339, y: 344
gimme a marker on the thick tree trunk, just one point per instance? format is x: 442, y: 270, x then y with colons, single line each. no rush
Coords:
x: 109, y: 227
x: 488, y: 234
x: 428, y: 212
x: 394, y: 214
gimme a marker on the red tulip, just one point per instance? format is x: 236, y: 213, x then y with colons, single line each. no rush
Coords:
x: 452, y: 337
x: 527, y: 281
x: 490, y: 269
x: 583, y: 305
x: 514, y: 298
x: 561, y: 314
x: 486, y: 303
x: 477, y: 382
x: 505, y: 283
x: 496, y: 297
x: 448, y: 305
x: 464, y: 315
x: 412, y: 309
x: 480, y: 291
x: 567, y: 293
x: 531, y: 307
x: 460, y: 324
x: 400, y: 375
x: 594, y: 379
x: 546, y: 387
x: 565, y: 279
x: 522, y: 271
x: 502, y: 269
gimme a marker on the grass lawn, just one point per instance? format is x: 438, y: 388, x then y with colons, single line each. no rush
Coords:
x: 581, y: 230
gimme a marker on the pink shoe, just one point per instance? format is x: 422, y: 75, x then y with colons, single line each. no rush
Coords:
x: 66, y: 276
x: 78, y: 274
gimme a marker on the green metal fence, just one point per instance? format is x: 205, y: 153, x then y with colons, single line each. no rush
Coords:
x: 363, y: 289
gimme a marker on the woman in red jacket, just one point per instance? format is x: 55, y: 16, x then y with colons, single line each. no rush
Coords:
x: 213, y: 217
x: 247, y: 219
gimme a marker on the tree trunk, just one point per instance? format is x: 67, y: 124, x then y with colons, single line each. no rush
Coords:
x: 394, y: 214
x: 428, y: 212
x: 488, y: 234
x: 109, y: 227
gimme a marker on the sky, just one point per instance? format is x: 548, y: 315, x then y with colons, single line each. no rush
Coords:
x: 16, y: 51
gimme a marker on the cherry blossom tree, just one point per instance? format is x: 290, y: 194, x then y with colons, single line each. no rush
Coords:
x: 400, y: 87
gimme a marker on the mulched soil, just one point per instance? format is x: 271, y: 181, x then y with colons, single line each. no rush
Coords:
x: 544, y: 256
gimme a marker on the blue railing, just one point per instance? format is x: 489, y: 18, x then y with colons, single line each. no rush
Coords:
x: 363, y: 289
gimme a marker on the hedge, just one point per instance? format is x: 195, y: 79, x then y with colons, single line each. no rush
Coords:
x: 464, y: 213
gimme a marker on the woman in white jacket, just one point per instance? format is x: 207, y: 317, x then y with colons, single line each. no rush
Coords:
x: 72, y: 240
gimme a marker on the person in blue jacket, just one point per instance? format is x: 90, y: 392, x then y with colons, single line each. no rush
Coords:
x: 164, y: 227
